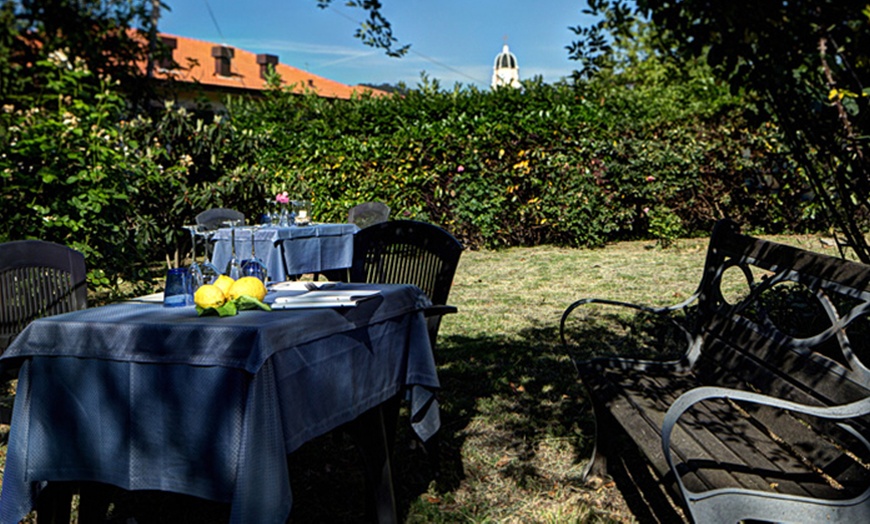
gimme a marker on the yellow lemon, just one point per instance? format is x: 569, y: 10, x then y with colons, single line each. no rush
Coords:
x: 224, y: 283
x: 209, y: 295
x: 251, y: 286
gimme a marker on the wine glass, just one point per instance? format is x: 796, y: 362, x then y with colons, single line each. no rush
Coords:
x: 254, y: 266
x: 269, y: 217
x: 209, y: 271
x: 234, y: 266
x: 194, y: 269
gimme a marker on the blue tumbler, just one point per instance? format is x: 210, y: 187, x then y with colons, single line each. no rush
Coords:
x: 179, y: 288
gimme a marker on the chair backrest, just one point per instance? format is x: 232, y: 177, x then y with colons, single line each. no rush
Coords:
x: 38, y: 279
x: 215, y: 218
x: 368, y: 213
x: 407, y: 252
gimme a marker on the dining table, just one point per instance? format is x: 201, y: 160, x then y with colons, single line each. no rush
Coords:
x: 288, y: 251
x: 146, y: 397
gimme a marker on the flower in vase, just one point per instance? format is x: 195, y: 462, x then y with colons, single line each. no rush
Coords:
x: 282, y: 198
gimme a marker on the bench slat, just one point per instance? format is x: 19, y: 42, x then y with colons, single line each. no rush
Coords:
x: 743, y: 364
x: 735, y: 444
x: 701, y: 438
x: 643, y: 431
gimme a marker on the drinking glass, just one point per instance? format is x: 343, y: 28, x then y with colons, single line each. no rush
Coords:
x: 302, y: 210
x: 254, y: 266
x: 209, y: 271
x: 178, y: 291
x: 234, y: 266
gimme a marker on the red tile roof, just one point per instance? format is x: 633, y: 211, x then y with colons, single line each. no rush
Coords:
x: 196, y: 64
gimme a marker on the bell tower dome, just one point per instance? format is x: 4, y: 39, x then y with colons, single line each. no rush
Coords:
x: 505, y: 71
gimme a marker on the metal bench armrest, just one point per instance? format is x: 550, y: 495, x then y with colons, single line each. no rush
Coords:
x: 693, y: 341
x: 688, y: 399
x: 666, y: 310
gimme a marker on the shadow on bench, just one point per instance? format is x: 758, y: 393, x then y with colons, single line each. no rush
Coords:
x: 762, y: 413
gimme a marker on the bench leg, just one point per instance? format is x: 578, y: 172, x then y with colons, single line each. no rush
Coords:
x: 645, y: 494
x: 596, y: 468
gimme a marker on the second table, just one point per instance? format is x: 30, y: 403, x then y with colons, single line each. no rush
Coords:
x: 289, y: 251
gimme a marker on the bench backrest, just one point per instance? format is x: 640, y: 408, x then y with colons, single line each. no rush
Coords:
x: 801, y: 330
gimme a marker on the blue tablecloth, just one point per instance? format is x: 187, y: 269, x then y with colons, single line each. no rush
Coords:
x: 290, y: 251
x: 146, y: 397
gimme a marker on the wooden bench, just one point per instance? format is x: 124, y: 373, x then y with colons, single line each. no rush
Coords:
x: 764, y: 416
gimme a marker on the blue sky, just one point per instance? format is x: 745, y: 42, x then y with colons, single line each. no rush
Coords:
x: 451, y: 40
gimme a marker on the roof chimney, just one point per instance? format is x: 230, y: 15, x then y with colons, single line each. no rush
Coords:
x: 222, y: 60
x: 167, y: 58
x: 265, y: 61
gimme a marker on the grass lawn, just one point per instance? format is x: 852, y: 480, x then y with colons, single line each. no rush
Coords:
x: 516, y: 429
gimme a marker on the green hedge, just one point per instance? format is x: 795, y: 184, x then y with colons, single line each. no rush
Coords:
x: 547, y: 164
x: 572, y: 165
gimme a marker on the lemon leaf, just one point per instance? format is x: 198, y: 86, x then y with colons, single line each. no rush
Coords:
x: 248, y: 302
x: 228, y: 309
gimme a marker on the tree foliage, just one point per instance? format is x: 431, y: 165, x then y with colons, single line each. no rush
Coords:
x: 84, y: 165
x: 84, y: 29
x: 376, y: 31
x: 806, y: 62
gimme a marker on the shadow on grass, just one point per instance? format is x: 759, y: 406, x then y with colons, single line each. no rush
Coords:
x: 501, y: 396
x: 527, y: 375
x: 502, y: 393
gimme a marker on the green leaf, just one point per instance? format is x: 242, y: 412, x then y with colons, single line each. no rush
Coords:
x: 247, y: 302
x: 227, y: 310
x: 232, y: 307
x: 851, y: 106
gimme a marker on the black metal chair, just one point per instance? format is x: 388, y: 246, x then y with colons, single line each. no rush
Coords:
x: 409, y: 252
x: 38, y: 279
x: 368, y: 214
x: 212, y: 219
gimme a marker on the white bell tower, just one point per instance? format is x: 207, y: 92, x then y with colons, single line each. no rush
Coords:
x: 505, y: 71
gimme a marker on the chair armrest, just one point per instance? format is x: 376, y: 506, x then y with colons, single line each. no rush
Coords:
x: 439, y: 310
x: 696, y: 395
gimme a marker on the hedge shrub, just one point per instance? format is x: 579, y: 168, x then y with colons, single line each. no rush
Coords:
x: 576, y: 165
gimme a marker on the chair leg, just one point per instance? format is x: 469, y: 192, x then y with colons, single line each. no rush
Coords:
x: 54, y: 505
